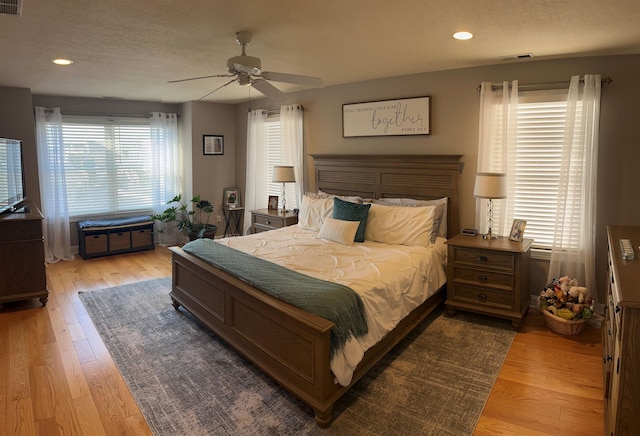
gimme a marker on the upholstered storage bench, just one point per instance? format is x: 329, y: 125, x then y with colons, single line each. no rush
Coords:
x: 112, y: 236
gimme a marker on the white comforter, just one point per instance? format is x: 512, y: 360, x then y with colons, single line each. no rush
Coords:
x: 391, y: 280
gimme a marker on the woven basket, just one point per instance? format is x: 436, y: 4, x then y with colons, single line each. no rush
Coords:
x: 563, y: 326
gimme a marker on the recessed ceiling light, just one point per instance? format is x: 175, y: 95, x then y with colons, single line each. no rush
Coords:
x: 463, y: 36
x: 62, y: 61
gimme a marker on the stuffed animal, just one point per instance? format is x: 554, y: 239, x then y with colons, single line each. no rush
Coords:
x: 566, y: 283
x: 579, y: 292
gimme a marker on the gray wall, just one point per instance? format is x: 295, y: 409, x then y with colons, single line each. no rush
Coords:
x: 454, y: 123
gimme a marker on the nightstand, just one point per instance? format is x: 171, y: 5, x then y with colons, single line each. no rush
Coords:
x: 265, y: 219
x: 488, y: 276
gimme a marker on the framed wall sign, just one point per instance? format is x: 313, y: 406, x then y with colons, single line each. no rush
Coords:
x: 401, y: 117
x: 212, y: 144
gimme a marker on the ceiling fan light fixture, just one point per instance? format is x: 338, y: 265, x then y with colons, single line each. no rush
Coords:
x: 244, y: 79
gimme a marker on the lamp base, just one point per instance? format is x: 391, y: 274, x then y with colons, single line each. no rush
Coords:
x: 490, y: 235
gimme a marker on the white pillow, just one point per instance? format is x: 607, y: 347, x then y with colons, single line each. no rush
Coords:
x: 440, y: 216
x: 340, y: 231
x: 400, y: 225
x: 322, y: 194
x: 313, y: 212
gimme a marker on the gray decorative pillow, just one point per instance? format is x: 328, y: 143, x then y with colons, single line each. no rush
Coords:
x: 345, y: 210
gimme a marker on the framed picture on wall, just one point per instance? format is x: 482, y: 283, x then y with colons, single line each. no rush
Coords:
x: 212, y: 144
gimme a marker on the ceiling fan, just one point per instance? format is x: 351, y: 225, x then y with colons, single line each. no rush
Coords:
x: 246, y: 70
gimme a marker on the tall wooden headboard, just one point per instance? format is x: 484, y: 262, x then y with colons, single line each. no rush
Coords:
x: 400, y: 176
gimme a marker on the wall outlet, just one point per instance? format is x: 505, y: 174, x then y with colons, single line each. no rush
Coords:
x: 219, y: 219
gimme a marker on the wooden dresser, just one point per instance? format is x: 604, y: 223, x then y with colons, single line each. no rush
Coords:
x: 22, y: 274
x: 488, y: 276
x: 621, y: 336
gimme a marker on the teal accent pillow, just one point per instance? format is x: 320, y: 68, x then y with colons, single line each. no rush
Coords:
x: 345, y: 210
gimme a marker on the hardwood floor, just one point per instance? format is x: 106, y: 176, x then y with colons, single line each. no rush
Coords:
x: 56, y: 376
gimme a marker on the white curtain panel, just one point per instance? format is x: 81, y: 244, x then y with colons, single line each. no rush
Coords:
x: 291, y: 127
x: 497, y: 142
x: 256, y: 163
x: 576, y: 208
x: 165, y: 161
x: 53, y: 193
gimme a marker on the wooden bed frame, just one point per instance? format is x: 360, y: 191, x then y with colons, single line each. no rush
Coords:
x: 287, y: 343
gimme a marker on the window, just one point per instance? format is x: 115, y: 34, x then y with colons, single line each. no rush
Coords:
x: 107, y: 165
x: 274, y: 157
x: 546, y: 143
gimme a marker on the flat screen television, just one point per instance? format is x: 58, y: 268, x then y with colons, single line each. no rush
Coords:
x: 12, y: 186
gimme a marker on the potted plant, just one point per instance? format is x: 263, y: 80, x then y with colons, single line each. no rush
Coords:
x: 195, y: 221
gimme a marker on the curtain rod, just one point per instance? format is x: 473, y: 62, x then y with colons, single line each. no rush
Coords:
x: 103, y: 114
x: 543, y: 85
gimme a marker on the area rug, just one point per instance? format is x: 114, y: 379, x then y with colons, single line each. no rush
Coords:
x: 187, y: 381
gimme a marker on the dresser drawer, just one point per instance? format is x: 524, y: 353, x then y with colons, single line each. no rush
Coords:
x: 482, y: 297
x: 484, y: 258
x: 484, y: 277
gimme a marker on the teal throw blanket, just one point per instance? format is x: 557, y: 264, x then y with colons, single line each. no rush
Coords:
x: 332, y: 301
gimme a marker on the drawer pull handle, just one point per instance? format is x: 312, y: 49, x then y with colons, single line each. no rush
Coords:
x: 483, y: 278
x: 607, y: 359
x: 609, y: 332
x: 482, y: 259
x: 268, y: 222
x: 618, y: 309
x: 482, y: 296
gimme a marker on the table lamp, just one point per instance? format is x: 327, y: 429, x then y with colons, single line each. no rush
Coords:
x: 283, y: 174
x: 490, y: 186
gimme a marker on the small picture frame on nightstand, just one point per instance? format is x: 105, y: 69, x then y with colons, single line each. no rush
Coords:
x: 517, y: 230
x: 273, y: 202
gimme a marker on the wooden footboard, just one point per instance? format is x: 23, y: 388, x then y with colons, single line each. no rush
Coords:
x: 289, y: 344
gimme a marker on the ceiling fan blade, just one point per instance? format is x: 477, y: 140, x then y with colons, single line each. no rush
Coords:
x: 244, y: 69
x: 313, y: 82
x: 269, y: 90
x: 198, y: 78
x: 219, y: 87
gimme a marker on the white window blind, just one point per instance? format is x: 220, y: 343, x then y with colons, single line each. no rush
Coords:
x: 107, y: 165
x: 537, y: 166
x: 274, y: 158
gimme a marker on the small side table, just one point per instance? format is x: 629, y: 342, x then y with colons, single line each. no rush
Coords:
x: 233, y: 221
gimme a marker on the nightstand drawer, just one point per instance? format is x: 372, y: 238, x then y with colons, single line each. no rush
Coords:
x: 268, y: 220
x: 480, y: 296
x: 484, y: 258
x: 483, y: 277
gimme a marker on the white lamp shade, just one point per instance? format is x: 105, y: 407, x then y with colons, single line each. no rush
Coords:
x: 490, y: 185
x: 283, y: 174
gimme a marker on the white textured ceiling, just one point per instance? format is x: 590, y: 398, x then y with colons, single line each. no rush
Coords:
x: 129, y: 49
